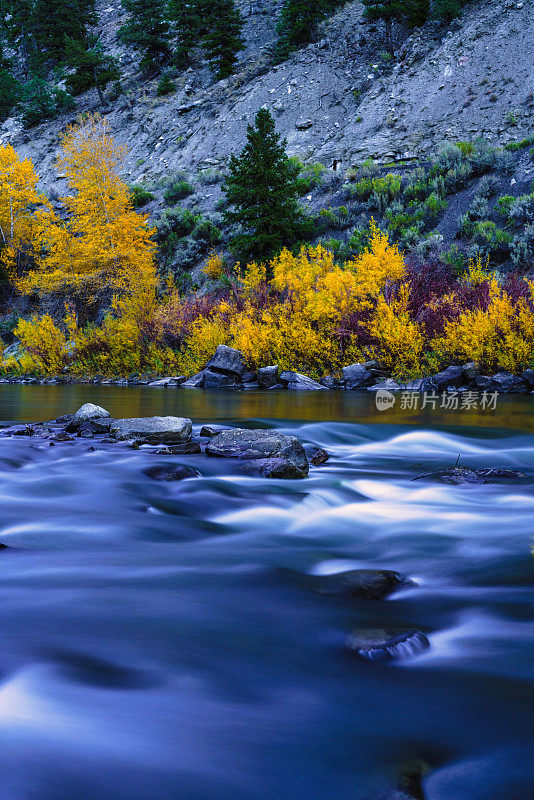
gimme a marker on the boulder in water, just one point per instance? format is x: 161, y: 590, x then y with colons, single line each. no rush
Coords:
x: 376, y: 644
x: 274, y: 468
x: 459, y: 475
x: 320, y: 457
x: 89, y: 411
x: 154, y: 430
x: 372, y: 584
x: 259, y: 444
x: 168, y: 473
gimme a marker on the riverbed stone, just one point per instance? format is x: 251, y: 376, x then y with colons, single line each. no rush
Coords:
x: 229, y: 360
x: 88, y: 411
x: 319, y: 457
x: 170, y: 473
x: 274, y: 468
x: 155, y: 430
x: 259, y: 444
x: 377, y: 644
x: 299, y: 382
x: 371, y: 584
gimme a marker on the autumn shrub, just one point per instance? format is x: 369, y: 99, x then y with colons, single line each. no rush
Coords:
x: 44, y: 342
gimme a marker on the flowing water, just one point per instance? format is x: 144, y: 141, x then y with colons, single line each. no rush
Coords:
x: 157, y: 641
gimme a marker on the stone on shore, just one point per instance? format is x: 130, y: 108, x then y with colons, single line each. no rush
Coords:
x: 356, y: 376
x: 154, y: 430
x: 228, y: 360
x: 302, y: 383
x: 195, y: 381
x: 268, y: 377
x: 219, y: 380
x: 259, y: 444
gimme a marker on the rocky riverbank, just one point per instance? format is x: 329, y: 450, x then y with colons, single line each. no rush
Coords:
x: 227, y: 370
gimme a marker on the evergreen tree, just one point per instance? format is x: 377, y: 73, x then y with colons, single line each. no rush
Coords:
x: 407, y: 12
x: 92, y: 66
x: 10, y: 93
x: 56, y: 21
x: 298, y: 23
x: 188, y: 19
x: 148, y: 30
x: 262, y: 186
x: 448, y: 9
x: 223, y: 39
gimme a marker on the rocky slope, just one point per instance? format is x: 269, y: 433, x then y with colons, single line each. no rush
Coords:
x: 336, y: 100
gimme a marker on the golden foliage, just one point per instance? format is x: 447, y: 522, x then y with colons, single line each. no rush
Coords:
x: 22, y: 209
x: 104, y: 245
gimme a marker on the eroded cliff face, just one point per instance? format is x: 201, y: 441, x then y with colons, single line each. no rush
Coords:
x: 337, y: 99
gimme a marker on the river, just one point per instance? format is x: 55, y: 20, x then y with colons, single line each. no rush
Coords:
x: 159, y: 641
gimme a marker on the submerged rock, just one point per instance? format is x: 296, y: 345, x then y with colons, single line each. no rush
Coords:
x: 168, y: 473
x: 320, y: 457
x: 376, y: 644
x: 371, y: 584
x: 187, y: 448
x: 155, y: 430
x: 459, y: 475
x: 274, y: 468
x: 259, y: 444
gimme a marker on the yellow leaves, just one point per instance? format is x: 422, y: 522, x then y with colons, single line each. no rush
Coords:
x: 253, y: 277
x: 214, y: 266
x: 500, y: 338
x: 400, y: 342
x: 44, y: 342
x: 381, y: 264
x: 20, y: 222
x: 104, y: 244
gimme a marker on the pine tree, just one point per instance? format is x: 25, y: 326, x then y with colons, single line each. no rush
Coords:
x: 148, y: 30
x: 92, y: 67
x: 188, y: 19
x: 297, y: 25
x: 10, y: 93
x: 262, y: 186
x: 223, y: 39
x: 55, y: 21
x: 407, y: 12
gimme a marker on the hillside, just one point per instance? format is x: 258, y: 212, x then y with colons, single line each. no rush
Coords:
x: 335, y: 99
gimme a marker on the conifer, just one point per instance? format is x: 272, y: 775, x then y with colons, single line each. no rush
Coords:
x: 148, y: 30
x: 223, y: 39
x: 262, y: 187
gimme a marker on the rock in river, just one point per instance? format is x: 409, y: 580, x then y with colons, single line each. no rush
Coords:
x: 155, y: 430
x: 88, y: 411
x: 372, y: 584
x: 259, y: 444
x: 375, y: 644
x: 274, y: 468
x: 168, y: 472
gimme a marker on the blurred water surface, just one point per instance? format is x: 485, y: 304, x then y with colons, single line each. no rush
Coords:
x: 157, y: 643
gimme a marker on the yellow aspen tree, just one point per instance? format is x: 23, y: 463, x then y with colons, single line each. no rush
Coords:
x: 22, y: 210
x: 105, y: 249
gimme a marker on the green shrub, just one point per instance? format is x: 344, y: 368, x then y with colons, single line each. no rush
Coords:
x: 205, y: 231
x: 166, y: 86
x: 140, y: 196
x: 178, y: 191
x: 523, y: 247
